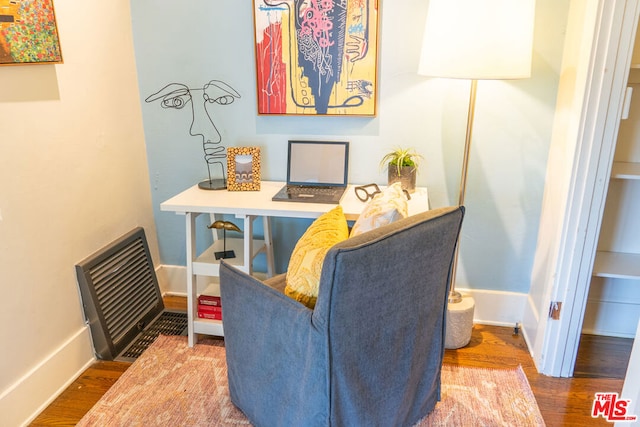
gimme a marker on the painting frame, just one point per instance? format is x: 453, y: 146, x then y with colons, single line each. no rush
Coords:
x: 239, y: 176
x: 29, y: 33
x: 317, y: 57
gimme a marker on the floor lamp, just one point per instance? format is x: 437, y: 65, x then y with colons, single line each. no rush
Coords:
x: 474, y: 40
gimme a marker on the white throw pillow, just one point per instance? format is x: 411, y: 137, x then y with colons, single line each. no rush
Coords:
x: 386, y: 207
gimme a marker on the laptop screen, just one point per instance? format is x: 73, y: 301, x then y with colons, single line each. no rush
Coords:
x: 318, y: 163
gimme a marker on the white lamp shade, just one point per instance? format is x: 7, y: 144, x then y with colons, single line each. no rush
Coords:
x: 478, y: 39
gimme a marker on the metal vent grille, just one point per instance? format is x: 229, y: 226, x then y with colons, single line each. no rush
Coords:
x: 124, y: 285
x: 120, y: 292
x: 167, y: 324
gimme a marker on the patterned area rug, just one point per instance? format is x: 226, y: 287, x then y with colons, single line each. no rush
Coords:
x: 171, y: 384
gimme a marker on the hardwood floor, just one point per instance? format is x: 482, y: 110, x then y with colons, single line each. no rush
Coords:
x: 600, y: 367
x: 562, y: 401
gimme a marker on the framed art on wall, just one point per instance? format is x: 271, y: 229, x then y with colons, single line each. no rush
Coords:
x: 316, y: 57
x: 28, y: 33
x: 243, y: 169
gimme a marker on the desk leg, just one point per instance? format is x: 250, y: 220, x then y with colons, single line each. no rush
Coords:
x: 192, y: 298
x: 248, y: 243
x: 266, y: 222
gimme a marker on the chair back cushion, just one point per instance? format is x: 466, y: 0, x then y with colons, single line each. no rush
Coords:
x: 382, y: 297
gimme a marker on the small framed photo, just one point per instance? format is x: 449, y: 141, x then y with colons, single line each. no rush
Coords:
x: 243, y: 168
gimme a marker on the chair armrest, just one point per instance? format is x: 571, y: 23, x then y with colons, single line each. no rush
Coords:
x: 250, y: 303
x: 260, y: 323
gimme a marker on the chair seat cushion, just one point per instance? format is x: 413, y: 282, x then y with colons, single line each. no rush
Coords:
x: 386, y: 207
x: 305, y: 264
x: 277, y: 282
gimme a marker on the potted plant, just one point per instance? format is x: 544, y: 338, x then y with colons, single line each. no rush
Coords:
x: 402, y: 165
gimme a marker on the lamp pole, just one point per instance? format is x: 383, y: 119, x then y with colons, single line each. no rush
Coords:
x: 455, y: 296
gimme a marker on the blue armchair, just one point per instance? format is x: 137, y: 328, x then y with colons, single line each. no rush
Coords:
x: 369, y: 353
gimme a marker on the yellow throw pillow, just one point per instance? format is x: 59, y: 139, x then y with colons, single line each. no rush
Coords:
x: 305, y: 265
x: 386, y: 207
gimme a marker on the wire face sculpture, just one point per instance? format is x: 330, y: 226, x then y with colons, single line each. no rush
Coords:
x: 201, y: 100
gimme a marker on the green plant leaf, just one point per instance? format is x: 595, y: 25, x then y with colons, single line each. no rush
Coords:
x: 400, y: 157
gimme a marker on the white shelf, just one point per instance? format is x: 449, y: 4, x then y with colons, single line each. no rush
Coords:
x: 213, y: 288
x: 207, y: 265
x: 208, y: 327
x: 617, y: 265
x: 625, y: 170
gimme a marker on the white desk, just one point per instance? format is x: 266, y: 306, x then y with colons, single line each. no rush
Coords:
x: 248, y: 206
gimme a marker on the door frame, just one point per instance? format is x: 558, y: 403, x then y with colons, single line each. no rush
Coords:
x: 609, y: 28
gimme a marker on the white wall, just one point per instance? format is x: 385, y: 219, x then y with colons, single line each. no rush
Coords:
x: 73, y: 177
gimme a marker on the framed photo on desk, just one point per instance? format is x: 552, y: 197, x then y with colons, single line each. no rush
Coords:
x: 243, y: 168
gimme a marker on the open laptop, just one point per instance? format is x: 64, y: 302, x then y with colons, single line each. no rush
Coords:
x: 316, y: 172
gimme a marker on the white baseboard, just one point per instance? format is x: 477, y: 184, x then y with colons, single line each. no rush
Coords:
x: 497, y: 308
x: 530, y: 323
x: 174, y: 280
x: 32, y: 393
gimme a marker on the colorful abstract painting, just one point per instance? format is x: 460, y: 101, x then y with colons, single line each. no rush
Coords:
x: 316, y: 57
x: 28, y: 32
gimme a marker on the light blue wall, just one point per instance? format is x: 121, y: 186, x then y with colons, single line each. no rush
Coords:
x: 195, y: 41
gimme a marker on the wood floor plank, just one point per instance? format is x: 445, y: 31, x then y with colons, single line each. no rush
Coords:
x: 596, y: 353
x: 82, y: 394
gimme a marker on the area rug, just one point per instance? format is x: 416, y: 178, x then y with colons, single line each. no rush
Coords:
x: 171, y: 384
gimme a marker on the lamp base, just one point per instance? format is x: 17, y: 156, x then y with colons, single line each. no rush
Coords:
x: 459, y: 323
x: 224, y: 254
x: 454, y: 297
x: 213, y: 184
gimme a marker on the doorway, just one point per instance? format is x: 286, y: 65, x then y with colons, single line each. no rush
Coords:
x: 596, y: 66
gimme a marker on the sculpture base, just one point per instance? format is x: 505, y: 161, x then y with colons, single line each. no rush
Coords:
x: 213, y: 184
x: 224, y: 254
x: 459, y: 323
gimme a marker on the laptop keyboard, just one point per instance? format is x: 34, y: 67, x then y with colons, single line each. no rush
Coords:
x: 310, y: 190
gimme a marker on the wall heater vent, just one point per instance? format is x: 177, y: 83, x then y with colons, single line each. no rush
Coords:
x: 120, y: 295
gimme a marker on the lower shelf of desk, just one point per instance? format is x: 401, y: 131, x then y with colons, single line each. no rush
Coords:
x: 207, y: 265
x: 208, y: 327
